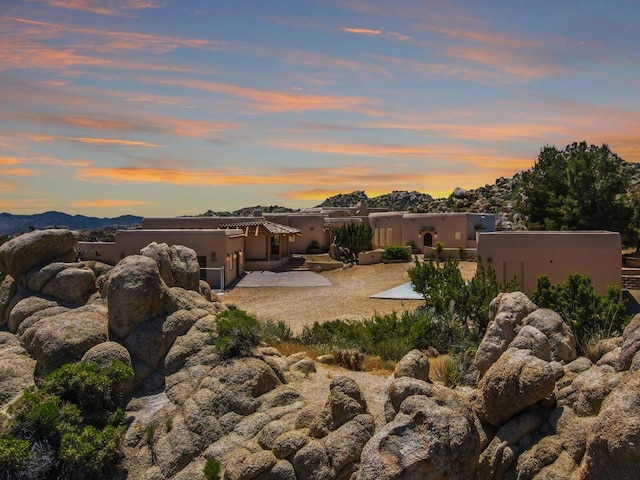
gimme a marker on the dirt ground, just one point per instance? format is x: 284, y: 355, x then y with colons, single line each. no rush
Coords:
x: 346, y: 298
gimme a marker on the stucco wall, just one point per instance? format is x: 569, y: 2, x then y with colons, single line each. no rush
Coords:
x: 101, y: 251
x: 528, y: 255
x: 387, y: 229
x: 452, y: 229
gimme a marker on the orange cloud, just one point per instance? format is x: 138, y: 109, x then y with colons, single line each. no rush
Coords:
x: 22, y: 172
x: 113, y: 142
x: 110, y: 203
x: 10, y: 160
x: 275, y: 101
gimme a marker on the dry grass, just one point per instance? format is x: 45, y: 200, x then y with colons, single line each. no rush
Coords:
x: 346, y: 299
x: 437, y: 367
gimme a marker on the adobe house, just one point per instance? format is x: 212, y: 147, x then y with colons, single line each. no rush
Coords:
x: 453, y: 230
x: 221, y: 253
x: 526, y: 256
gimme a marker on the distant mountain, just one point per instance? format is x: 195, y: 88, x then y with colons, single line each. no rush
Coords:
x: 11, y: 224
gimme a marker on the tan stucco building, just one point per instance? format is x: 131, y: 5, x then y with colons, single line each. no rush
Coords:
x: 227, y: 246
x: 526, y: 256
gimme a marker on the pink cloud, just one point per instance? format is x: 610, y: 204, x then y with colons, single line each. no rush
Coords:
x: 102, y: 7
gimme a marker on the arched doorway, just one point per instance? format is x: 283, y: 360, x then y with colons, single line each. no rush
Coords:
x: 428, y: 239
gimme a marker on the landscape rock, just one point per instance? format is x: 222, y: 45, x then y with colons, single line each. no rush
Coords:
x: 630, y: 343
x: 8, y: 289
x: 24, y: 305
x: 414, y: 364
x: 104, y: 353
x: 612, y: 440
x: 178, y: 265
x: 66, y: 337
x: 71, y: 283
x: 344, y: 403
x: 251, y: 466
x: 344, y: 445
x: 37, y: 248
x: 507, y: 311
x: 134, y: 294
x: 311, y: 462
x: 561, y: 339
x: 306, y: 365
x: 288, y: 443
x: 16, y: 368
x: 530, y: 338
x: 500, y: 459
x: 516, y: 381
x: 426, y: 440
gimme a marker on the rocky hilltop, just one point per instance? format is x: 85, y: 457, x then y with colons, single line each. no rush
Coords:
x: 538, y: 412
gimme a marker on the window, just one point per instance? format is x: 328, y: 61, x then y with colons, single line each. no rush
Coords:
x: 389, y: 236
x: 458, y: 235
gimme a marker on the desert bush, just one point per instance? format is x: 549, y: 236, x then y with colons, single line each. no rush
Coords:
x: 351, y: 358
x: 238, y: 333
x: 445, y: 291
x: 353, y: 238
x: 591, y: 316
x: 396, y: 252
x: 14, y: 455
x: 95, y: 389
x: 91, y: 451
x: 72, y: 424
x: 273, y: 332
x: 388, y: 336
x: 458, y: 369
x: 212, y: 469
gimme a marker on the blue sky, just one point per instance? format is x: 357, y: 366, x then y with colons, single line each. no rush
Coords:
x: 175, y: 107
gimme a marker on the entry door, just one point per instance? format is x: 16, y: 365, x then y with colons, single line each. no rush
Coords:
x: 514, y: 270
x: 428, y: 240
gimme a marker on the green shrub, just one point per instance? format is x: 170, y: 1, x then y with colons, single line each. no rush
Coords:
x: 353, y: 238
x: 96, y: 389
x: 396, y: 252
x: 91, y: 450
x: 272, y: 332
x: 14, y: 455
x: 445, y: 291
x: 72, y: 424
x: 459, y: 370
x: 388, y: 336
x: 238, y: 333
x: 590, y: 315
x: 212, y: 469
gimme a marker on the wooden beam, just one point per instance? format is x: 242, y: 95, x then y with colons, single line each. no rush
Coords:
x: 257, y: 229
x: 246, y: 231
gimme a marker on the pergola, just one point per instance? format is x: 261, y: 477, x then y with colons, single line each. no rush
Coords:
x: 269, y: 230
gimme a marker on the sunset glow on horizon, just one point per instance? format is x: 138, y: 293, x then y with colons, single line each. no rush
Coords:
x: 163, y: 108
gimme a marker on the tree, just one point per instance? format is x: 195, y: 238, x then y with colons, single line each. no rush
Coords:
x: 353, y: 238
x: 579, y: 188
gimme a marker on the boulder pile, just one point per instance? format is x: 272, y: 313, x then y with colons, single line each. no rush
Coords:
x: 538, y: 412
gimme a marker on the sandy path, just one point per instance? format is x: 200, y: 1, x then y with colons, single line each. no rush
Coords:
x: 346, y: 298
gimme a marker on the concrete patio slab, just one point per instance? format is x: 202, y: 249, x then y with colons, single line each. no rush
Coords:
x: 282, y: 279
x: 401, y: 292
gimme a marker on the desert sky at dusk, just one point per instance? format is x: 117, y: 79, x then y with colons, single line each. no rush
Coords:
x: 163, y: 107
